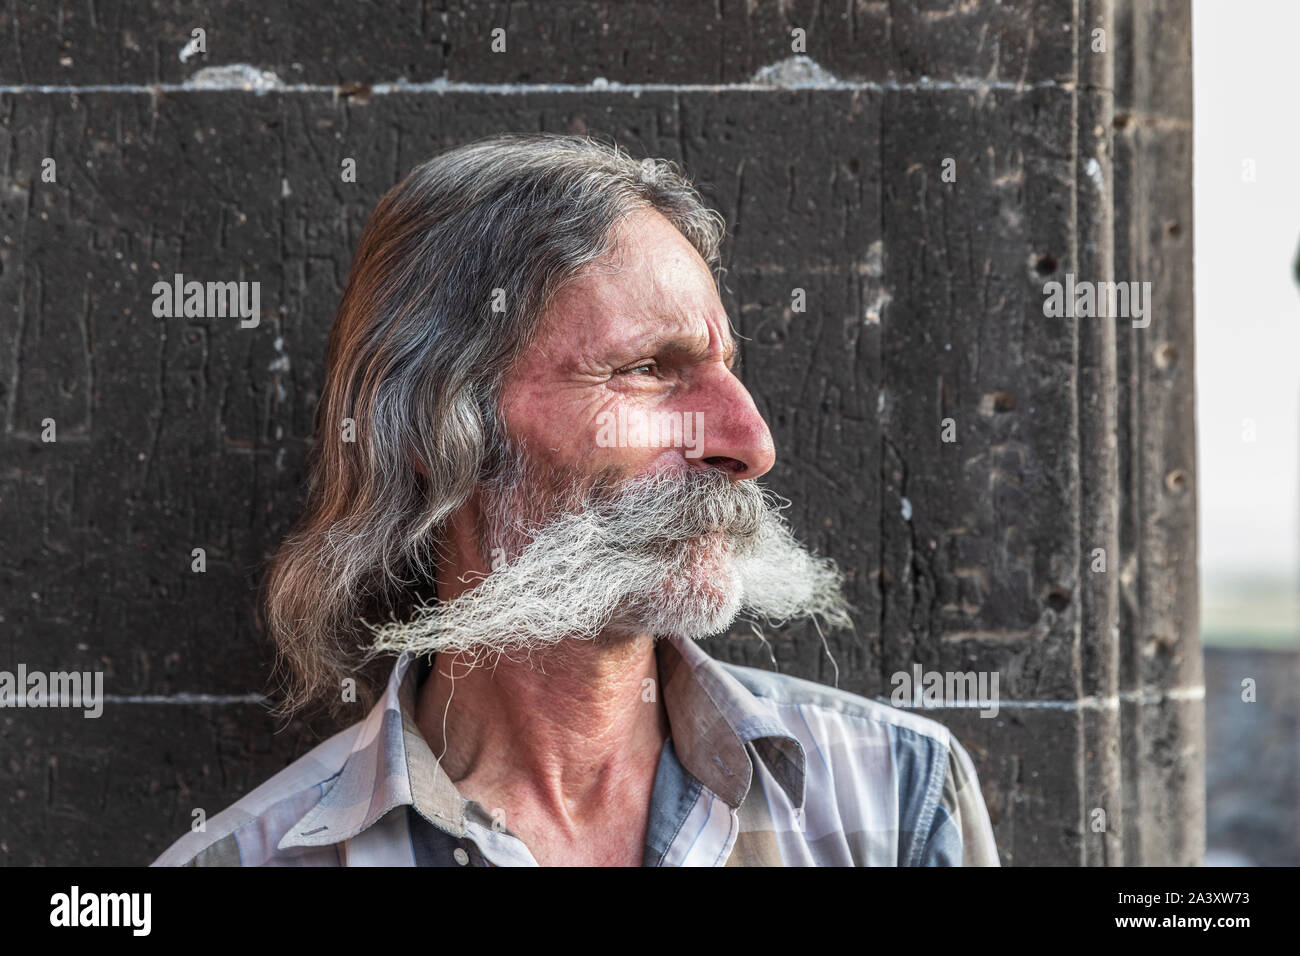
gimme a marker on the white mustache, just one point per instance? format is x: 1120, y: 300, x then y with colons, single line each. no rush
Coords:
x: 629, y: 558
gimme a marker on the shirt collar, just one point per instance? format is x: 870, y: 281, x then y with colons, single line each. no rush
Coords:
x: 711, y: 714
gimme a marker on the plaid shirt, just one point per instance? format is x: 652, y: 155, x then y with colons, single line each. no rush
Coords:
x: 761, y: 769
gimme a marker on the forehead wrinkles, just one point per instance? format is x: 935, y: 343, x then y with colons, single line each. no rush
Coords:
x: 651, y: 280
x: 657, y: 260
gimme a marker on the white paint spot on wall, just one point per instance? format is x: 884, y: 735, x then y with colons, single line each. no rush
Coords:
x: 872, y: 268
x: 794, y: 72
x: 281, y: 361
x: 876, y: 305
x: 234, y: 76
x: 1093, y: 169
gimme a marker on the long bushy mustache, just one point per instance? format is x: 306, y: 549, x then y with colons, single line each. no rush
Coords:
x: 675, y: 553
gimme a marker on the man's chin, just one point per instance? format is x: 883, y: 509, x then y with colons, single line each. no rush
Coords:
x: 699, y: 600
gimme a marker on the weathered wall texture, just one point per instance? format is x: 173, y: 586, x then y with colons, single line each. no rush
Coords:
x: 925, y: 303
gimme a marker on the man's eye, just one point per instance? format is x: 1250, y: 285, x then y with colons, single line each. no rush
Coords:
x: 641, y: 368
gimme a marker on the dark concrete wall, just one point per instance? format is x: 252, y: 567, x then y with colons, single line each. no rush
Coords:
x: 925, y: 303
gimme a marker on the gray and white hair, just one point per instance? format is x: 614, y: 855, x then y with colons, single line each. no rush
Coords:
x: 417, y: 356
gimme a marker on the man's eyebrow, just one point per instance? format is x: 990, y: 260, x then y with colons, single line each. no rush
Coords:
x: 666, y: 342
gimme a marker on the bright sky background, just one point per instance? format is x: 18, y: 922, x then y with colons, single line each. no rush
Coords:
x: 1247, y: 301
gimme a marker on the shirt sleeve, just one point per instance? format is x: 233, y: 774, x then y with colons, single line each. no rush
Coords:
x: 962, y: 834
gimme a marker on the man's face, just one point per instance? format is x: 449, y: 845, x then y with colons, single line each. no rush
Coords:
x: 644, y: 337
x: 627, y: 504
x: 632, y: 375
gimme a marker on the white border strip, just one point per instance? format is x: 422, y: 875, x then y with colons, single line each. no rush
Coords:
x: 184, y: 699
x: 1112, y: 702
x: 972, y: 85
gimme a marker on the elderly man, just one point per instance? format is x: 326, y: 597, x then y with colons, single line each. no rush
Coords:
x: 534, y: 482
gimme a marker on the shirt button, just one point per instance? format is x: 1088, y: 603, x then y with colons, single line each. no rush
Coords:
x: 461, y: 856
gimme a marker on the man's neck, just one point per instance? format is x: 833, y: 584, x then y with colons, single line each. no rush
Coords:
x: 563, y: 748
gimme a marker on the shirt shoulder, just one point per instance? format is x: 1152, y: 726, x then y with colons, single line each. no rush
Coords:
x: 835, y: 708
x: 890, y: 768
x: 247, y: 832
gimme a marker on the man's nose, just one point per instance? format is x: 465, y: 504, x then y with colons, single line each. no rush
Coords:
x: 734, y: 437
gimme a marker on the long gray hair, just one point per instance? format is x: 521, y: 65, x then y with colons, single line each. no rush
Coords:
x: 453, y: 272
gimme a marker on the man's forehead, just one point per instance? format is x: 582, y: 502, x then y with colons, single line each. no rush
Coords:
x: 653, y: 290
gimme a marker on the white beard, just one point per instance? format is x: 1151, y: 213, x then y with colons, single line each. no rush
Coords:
x: 673, y: 554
